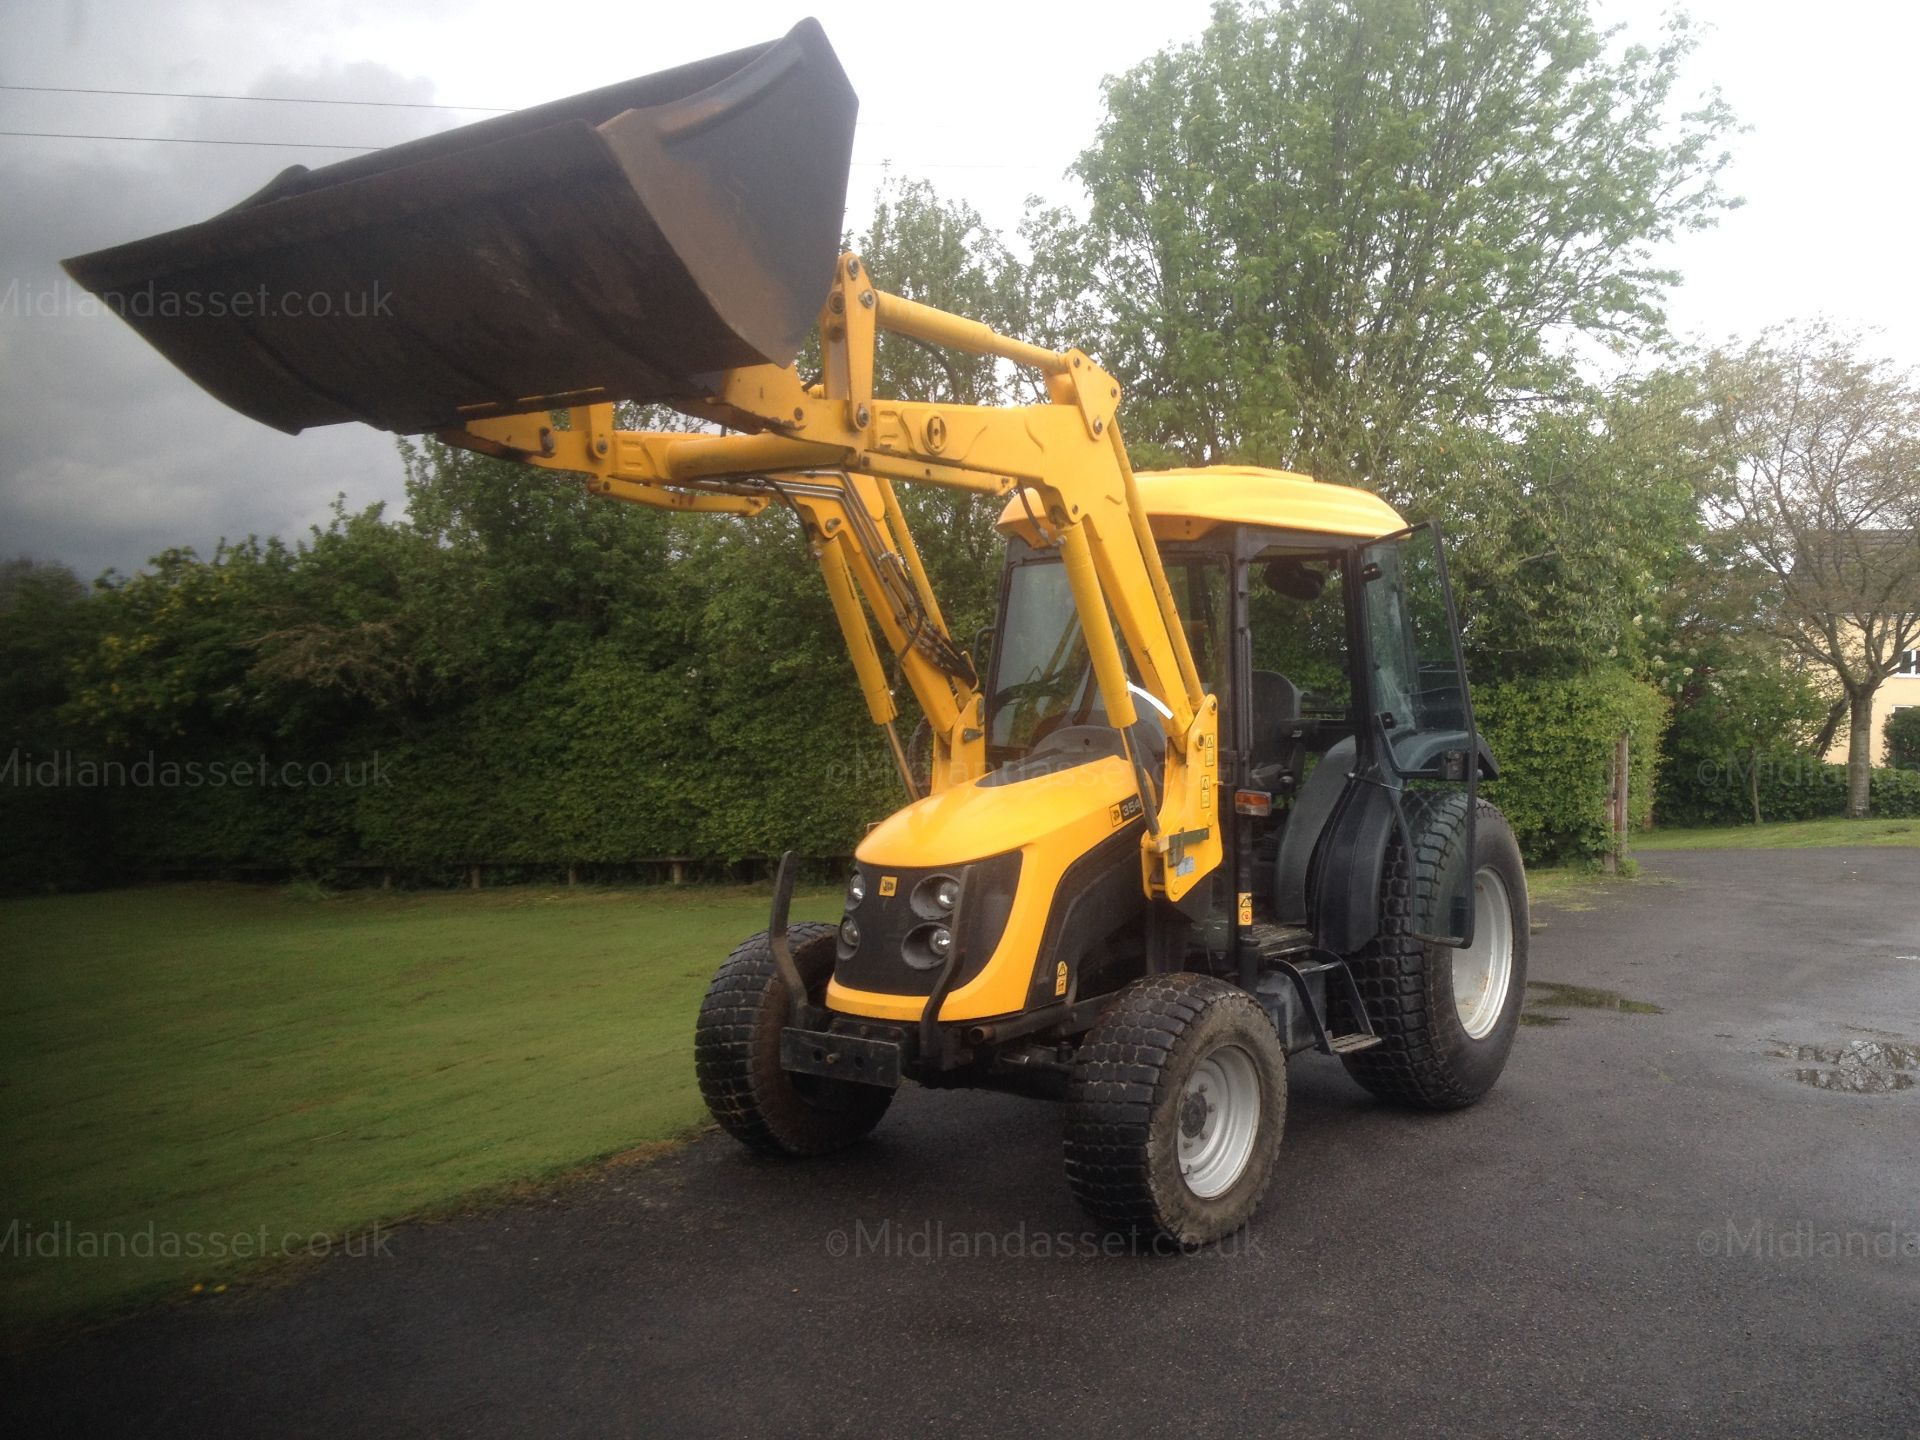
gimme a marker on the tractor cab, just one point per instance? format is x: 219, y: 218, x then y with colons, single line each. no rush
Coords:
x: 1323, y: 625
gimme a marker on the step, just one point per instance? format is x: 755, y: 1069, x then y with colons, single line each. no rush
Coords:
x: 1348, y: 1044
x: 1277, y: 941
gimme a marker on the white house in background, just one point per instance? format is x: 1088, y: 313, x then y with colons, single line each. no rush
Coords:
x: 1897, y: 692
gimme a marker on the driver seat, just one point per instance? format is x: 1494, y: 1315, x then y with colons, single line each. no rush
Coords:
x: 1276, y: 751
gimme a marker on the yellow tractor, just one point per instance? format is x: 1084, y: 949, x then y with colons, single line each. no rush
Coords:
x: 1208, y: 798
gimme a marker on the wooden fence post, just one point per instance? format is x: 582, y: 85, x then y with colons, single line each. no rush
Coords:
x: 1618, y: 808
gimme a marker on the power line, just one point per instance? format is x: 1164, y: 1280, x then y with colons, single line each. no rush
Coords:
x: 186, y: 140
x: 264, y: 99
x: 903, y: 165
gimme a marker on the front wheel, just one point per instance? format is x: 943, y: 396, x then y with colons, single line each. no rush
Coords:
x: 736, y: 1055
x: 1446, y: 1017
x: 1175, y: 1109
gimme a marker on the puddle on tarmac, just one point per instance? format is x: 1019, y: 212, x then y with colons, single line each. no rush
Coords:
x: 1551, y: 995
x: 1860, y: 1067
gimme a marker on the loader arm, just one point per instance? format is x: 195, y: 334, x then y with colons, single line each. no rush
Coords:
x: 833, y: 452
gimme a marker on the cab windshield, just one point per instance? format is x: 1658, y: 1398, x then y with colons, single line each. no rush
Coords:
x: 1042, y: 681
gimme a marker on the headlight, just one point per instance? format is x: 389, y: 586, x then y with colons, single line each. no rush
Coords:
x: 928, y: 947
x: 856, y: 889
x: 850, y: 933
x: 935, y: 897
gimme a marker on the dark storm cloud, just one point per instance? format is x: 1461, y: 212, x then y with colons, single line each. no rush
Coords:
x: 108, y: 454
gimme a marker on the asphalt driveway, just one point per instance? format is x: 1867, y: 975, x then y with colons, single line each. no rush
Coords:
x: 1700, y: 1220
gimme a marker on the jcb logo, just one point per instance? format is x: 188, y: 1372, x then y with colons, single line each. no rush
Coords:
x: 889, y: 884
x: 1124, y: 810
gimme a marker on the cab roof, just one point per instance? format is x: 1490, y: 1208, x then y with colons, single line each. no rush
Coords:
x: 1186, y: 504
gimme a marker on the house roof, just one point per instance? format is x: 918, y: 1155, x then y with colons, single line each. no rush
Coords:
x: 1850, y: 566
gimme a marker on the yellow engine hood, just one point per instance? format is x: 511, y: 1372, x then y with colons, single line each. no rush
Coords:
x: 978, y: 819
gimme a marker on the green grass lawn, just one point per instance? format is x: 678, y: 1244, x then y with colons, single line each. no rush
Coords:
x: 200, y: 1066
x: 1789, y: 835
x: 222, y: 1067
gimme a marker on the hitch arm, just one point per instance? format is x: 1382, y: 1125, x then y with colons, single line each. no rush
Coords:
x: 777, y: 943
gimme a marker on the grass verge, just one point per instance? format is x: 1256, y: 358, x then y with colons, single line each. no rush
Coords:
x: 1787, y: 835
x: 199, y: 1079
x: 1570, y: 887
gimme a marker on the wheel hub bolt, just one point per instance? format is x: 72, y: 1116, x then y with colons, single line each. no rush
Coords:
x: 1193, y: 1115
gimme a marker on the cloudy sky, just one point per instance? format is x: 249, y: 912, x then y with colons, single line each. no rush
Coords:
x: 107, y: 454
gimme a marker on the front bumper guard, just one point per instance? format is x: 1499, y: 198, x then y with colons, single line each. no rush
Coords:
x: 833, y: 1056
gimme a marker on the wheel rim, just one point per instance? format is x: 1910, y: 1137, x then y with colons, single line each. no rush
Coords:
x: 1219, y: 1117
x: 1483, y: 971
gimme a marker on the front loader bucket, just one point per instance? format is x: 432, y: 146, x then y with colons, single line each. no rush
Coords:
x: 615, y: 245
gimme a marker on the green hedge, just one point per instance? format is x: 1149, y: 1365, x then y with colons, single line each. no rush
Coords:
x: 1793, y: 786
x: 52, y: 839
x: 1895, y: 792
x: 1554, y: 741
x: 603, y: 762
x: 1903, y: 738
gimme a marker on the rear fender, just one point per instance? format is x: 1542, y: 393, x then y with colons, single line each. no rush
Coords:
x: 1348, y: 867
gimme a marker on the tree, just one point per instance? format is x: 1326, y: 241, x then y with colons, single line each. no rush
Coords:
x: 343, y: 641
x: 1567, y: 537
x: 1823, y: 509
x: 1330, y: 231
x: 44, y: 621
x: 174, y: 648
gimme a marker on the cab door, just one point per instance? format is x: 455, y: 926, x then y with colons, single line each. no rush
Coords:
x: 1419, y: 715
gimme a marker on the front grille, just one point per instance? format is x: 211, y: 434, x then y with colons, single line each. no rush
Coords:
x: 885, y: 922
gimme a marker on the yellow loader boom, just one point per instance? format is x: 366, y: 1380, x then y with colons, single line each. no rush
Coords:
x: 833, y: 451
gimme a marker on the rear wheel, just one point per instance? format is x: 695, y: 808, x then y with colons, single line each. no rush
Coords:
x: 1175, y: 1109
x: 736, y: 1055
x: 1446, y: 1017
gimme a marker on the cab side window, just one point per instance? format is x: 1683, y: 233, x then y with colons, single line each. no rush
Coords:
x: 1298, y: 614
x: 1302, y: 688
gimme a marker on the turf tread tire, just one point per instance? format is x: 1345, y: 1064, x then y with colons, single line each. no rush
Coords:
x: 736, y: 1056
x: 1122, y: 1102
x: 1425, y: 1060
